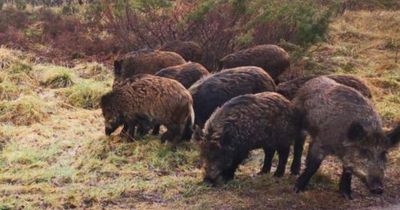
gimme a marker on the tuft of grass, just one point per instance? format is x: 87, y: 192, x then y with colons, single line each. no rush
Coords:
x: 93, y: 70
x: 8, y: 57
x: 9, y: 91
x: 55, y: 76
x: 86, y: 94
x: 26, y: 110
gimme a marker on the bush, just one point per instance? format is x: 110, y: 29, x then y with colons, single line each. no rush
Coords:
x: 86, y: 94
x: 221, y: 27
x: 26, y: 110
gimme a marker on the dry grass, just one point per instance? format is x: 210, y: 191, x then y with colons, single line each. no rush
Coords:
x: 63, y: 160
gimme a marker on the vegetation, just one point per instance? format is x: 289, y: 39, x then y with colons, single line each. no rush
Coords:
x: 53, y: 151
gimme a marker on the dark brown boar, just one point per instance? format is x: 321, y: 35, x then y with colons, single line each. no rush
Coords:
x: 187, y: 74
x: 189, y: 50
x: 213, y: 91
x: 344, y: 123
x: 290, y: 88
x: 271, y: 58
x: 145, y: 62
x: 156, y: 99
x: 265, y: 120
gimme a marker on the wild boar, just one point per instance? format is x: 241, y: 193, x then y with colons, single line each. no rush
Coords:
x: 290, y: 88
x: 145, y: 62
x: 344, y: 123
x: 189, y: 50
x: 152, y: 98
x: 187, y: 74
x: 265, y: 120
x: 213, y: 91
x: 271, y: 58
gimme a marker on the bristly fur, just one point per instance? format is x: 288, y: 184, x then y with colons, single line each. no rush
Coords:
x: 265, y: 120
x: 271, y: 58
x: 290, y: 88
x: 160, y: 100
x: 344, y: 123
x: 215, y: 90
x: 145, y: 62
x: 187, y: 74
x: 189, y: 50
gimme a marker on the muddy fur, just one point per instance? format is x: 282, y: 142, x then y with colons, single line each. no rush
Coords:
x: 152, y: 98
x: 290, y: 88
x: 344, y: 123
x: 271, y: 58
x: 145, y: 62
x: 189, y: 50
x: 265, y: 120
x: 213, y: 91
x: 187, y: 74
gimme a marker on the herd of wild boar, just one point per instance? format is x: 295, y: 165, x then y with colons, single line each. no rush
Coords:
x: 242, y: 106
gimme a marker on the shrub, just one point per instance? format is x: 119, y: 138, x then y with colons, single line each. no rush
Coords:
x: 26, y: 110
x: 221, y: 26
x: 86, y: 94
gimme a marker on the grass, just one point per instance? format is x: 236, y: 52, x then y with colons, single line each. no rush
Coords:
x: 63, y: 159
x: 86, y: 94
x: 55, y: 76
x: 24, y: 111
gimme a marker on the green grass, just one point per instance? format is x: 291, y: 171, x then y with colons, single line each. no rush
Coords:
x: 86, y: 94
x: 54, y: 76
x: 55, y: 156
x: 24, y: 111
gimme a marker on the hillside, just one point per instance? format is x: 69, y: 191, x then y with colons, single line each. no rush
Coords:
x: 53, y: 152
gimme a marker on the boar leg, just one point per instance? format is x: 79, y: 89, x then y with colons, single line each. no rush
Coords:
x: 345, y: 183
x: 297, y: 153
x: 269, y: 154
x: 156, y: 129
x: 283, y: 153
x: 314, y: 159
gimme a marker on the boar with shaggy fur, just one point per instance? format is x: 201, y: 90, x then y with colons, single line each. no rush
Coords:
x: 213, y: 91
x: 265, y: 120
x: 290, y: 88
x: 271, y: 58
x: 187, y: 74
x: 156, y: 99
x: 145, y: 62
x: 189, y: 50
x: 344, y: 123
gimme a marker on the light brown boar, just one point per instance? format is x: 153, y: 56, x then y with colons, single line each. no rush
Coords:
x: 159, y: 100
x: 145, y: 62
x: 189, y: 50
x: 271, y: 58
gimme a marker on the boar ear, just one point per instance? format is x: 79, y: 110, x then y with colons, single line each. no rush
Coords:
x: 356, y: 132
x: 394, y: 136
x: 117, y: 67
